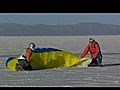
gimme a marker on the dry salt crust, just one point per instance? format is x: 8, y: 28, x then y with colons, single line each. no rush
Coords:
x: 107, y: 76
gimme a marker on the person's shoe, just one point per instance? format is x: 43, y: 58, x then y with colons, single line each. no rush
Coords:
x: 19, y: 67
x: 89, y: 65
x: 93, y: 65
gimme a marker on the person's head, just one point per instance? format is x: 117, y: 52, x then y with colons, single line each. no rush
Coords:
x: 32, y: 46
x: 91, y: 40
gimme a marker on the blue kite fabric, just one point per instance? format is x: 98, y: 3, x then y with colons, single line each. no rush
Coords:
x: 37, y: 50
x: 9, y: 59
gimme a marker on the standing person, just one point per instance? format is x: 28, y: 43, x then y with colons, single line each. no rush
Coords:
x: 24, y: 59
x: 94, y: 48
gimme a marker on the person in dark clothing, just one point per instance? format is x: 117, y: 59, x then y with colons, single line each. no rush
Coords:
x: 24, y: 59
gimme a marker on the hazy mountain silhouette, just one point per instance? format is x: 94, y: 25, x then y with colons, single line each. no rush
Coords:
x: 13, y: 29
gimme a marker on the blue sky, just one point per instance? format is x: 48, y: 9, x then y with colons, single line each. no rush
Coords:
x: 60, y: 18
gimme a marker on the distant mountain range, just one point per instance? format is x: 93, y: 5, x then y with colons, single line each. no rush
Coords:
x: 13, y: 29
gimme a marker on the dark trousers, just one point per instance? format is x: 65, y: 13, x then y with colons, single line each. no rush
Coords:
x: 25, y: 64
x: 96, y: 61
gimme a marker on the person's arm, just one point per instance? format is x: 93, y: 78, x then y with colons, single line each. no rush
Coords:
x: 28, y: 54
x: 97, y: 50
x: 85, y: 52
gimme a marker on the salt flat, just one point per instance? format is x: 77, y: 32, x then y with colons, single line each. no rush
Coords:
x: 107, y: 76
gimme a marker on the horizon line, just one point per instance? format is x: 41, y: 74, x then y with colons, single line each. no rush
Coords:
x: 60, y: 24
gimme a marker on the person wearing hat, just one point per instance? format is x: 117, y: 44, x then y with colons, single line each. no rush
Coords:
x: 24, y: 58
x: 94, y: 48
